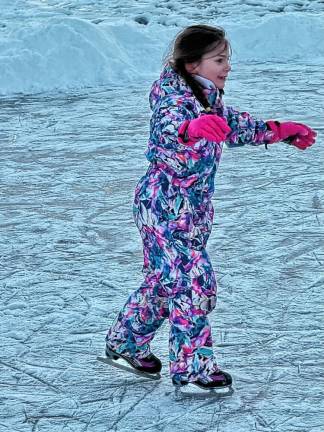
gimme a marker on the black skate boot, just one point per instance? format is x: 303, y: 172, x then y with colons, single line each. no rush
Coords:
x: 220, y: 379
x: 219, y: 382
x: 149, y: 367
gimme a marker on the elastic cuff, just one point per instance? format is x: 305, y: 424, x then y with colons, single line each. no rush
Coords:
x: 183, y: 132
x: 273, y: 135
x: 183, y: 136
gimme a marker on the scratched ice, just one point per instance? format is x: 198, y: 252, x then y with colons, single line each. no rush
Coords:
x: 70, y: 255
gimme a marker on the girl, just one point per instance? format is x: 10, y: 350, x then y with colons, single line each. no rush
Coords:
x: 173, y: 209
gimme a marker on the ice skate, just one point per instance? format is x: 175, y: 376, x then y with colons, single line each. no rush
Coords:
x: 148, y: 367
x: 219, y: 385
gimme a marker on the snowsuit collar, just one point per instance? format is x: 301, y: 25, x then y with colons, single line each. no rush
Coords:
x: 204, y: 82
x: 170, y: 82
x: 209, y: 89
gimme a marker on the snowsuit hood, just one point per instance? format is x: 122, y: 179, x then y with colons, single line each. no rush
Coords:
x: 171, y: 83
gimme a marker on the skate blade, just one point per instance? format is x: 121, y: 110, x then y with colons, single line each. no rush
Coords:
x: 124, y: 367
x: 194, y: 391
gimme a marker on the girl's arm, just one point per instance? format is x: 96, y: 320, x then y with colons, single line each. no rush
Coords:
x: 164, y: 145
x: 245, y: 129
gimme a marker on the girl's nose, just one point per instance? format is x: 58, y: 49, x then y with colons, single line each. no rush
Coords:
x: 228, y: 66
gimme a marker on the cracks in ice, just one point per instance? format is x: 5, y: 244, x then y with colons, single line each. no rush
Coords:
x: 32, y: 375
x: 133, y: 406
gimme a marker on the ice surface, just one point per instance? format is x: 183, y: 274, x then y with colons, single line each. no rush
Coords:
x: 70, y: 252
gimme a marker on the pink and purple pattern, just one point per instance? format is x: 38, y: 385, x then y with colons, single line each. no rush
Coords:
x: 174, y: 214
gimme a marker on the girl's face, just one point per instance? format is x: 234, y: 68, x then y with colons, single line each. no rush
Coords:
x: 214, y: 66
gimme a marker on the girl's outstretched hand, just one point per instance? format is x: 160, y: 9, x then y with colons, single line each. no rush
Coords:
x: 211, y: 126
x: 296, y: 134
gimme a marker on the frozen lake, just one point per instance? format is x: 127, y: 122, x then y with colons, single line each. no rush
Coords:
x: 71, y: 253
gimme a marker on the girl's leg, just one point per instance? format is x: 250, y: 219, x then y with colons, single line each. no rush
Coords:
x: 175, y: 255
x: 138, y: 321
x: 190, y: 343
x: 146, y: 309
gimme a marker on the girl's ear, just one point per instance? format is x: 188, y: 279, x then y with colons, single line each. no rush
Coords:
x: 191, y: 67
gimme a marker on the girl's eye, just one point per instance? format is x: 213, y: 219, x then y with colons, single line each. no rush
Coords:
x: 222, y: 60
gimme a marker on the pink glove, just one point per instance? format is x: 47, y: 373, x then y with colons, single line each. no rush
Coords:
x: 296, y: 134
x: 208, y: 126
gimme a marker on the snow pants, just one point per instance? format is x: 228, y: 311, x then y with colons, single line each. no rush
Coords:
x: 179, y: 284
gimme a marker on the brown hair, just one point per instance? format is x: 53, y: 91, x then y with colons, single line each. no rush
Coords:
x: 189, y: 46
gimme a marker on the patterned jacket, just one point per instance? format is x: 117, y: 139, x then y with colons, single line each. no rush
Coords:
x: 172, y: 200
x: 172, y: 102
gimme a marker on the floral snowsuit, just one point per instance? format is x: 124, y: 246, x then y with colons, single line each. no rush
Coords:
x: 174, y: 214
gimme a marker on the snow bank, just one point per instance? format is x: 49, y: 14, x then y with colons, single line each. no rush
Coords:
x: 61, y: 54
x: 65, y: 53
x: 281, y: 38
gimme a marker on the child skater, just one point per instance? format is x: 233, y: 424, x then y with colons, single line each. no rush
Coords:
x: 174, y: 213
